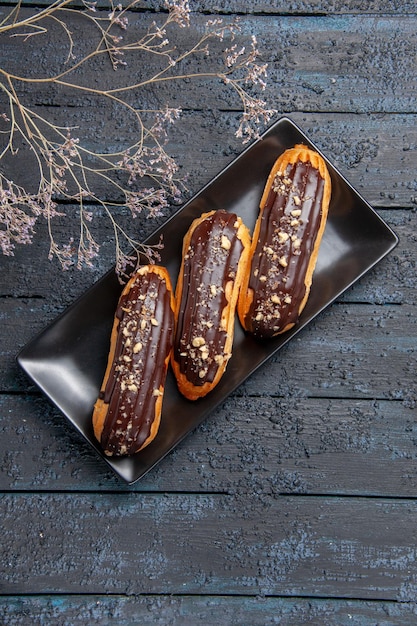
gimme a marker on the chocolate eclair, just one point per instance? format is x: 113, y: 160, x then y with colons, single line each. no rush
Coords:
x: 214, y: 258
x: 285, y: 243
x: 127, y: 412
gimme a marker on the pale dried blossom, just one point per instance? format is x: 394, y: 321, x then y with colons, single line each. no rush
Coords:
x: 69, y: 147
x: 254, y: 115
x: 232, y: 55
x: 126, y: 261
x: 150, y: 200
x: 17, y: 227
x: 255, y: 73
x: 218, y: 29
x: 154, y: 163
x: 91, y: 6
x: 245, y: 65
x: 179, y: 11
x: 163, y: 119
x: 88, y: 250
x: 19, y: 212
x: 65, y: 254
x: 118, y: 16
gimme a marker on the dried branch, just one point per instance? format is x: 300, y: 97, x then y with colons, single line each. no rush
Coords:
x: 69, y: 170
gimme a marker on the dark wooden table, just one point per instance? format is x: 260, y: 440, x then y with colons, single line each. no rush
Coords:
x: 296, y: 501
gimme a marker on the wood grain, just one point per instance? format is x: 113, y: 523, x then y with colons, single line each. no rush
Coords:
x: 192, y: 610
x: 196, y: 543
x: 250, y: 444
x: 309, y: 7
x: 375, y: 153
x: 295, y: 502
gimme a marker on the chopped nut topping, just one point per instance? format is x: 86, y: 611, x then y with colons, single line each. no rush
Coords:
x: 283, y: 261
x: 137, y: 347
x: 295, y: 222
x: 154, y: 322
x: 275, y: 299
x: 296, y: 212
x: 132, y: 387
x: 287, y: 299
x: 143, y: 324
x: 198, y: 341
x: 157, y: 392
x: 226, y: 243
x: 262, y: 279
x: 202, y: 373
x: 213, y: 290
x: 282, y: 236
x: 297, y: 200
x: 259, y: 317
x: 219, y: 359
x: 127, y: 359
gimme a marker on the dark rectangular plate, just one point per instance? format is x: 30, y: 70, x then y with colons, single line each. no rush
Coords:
x: 67, y: 360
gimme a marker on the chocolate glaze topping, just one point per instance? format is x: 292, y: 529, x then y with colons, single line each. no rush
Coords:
x: 289, y: 225
x: 210, y: 262
x: 144, y: 341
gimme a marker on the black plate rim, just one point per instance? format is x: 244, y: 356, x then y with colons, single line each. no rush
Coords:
x: 392, y: 242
